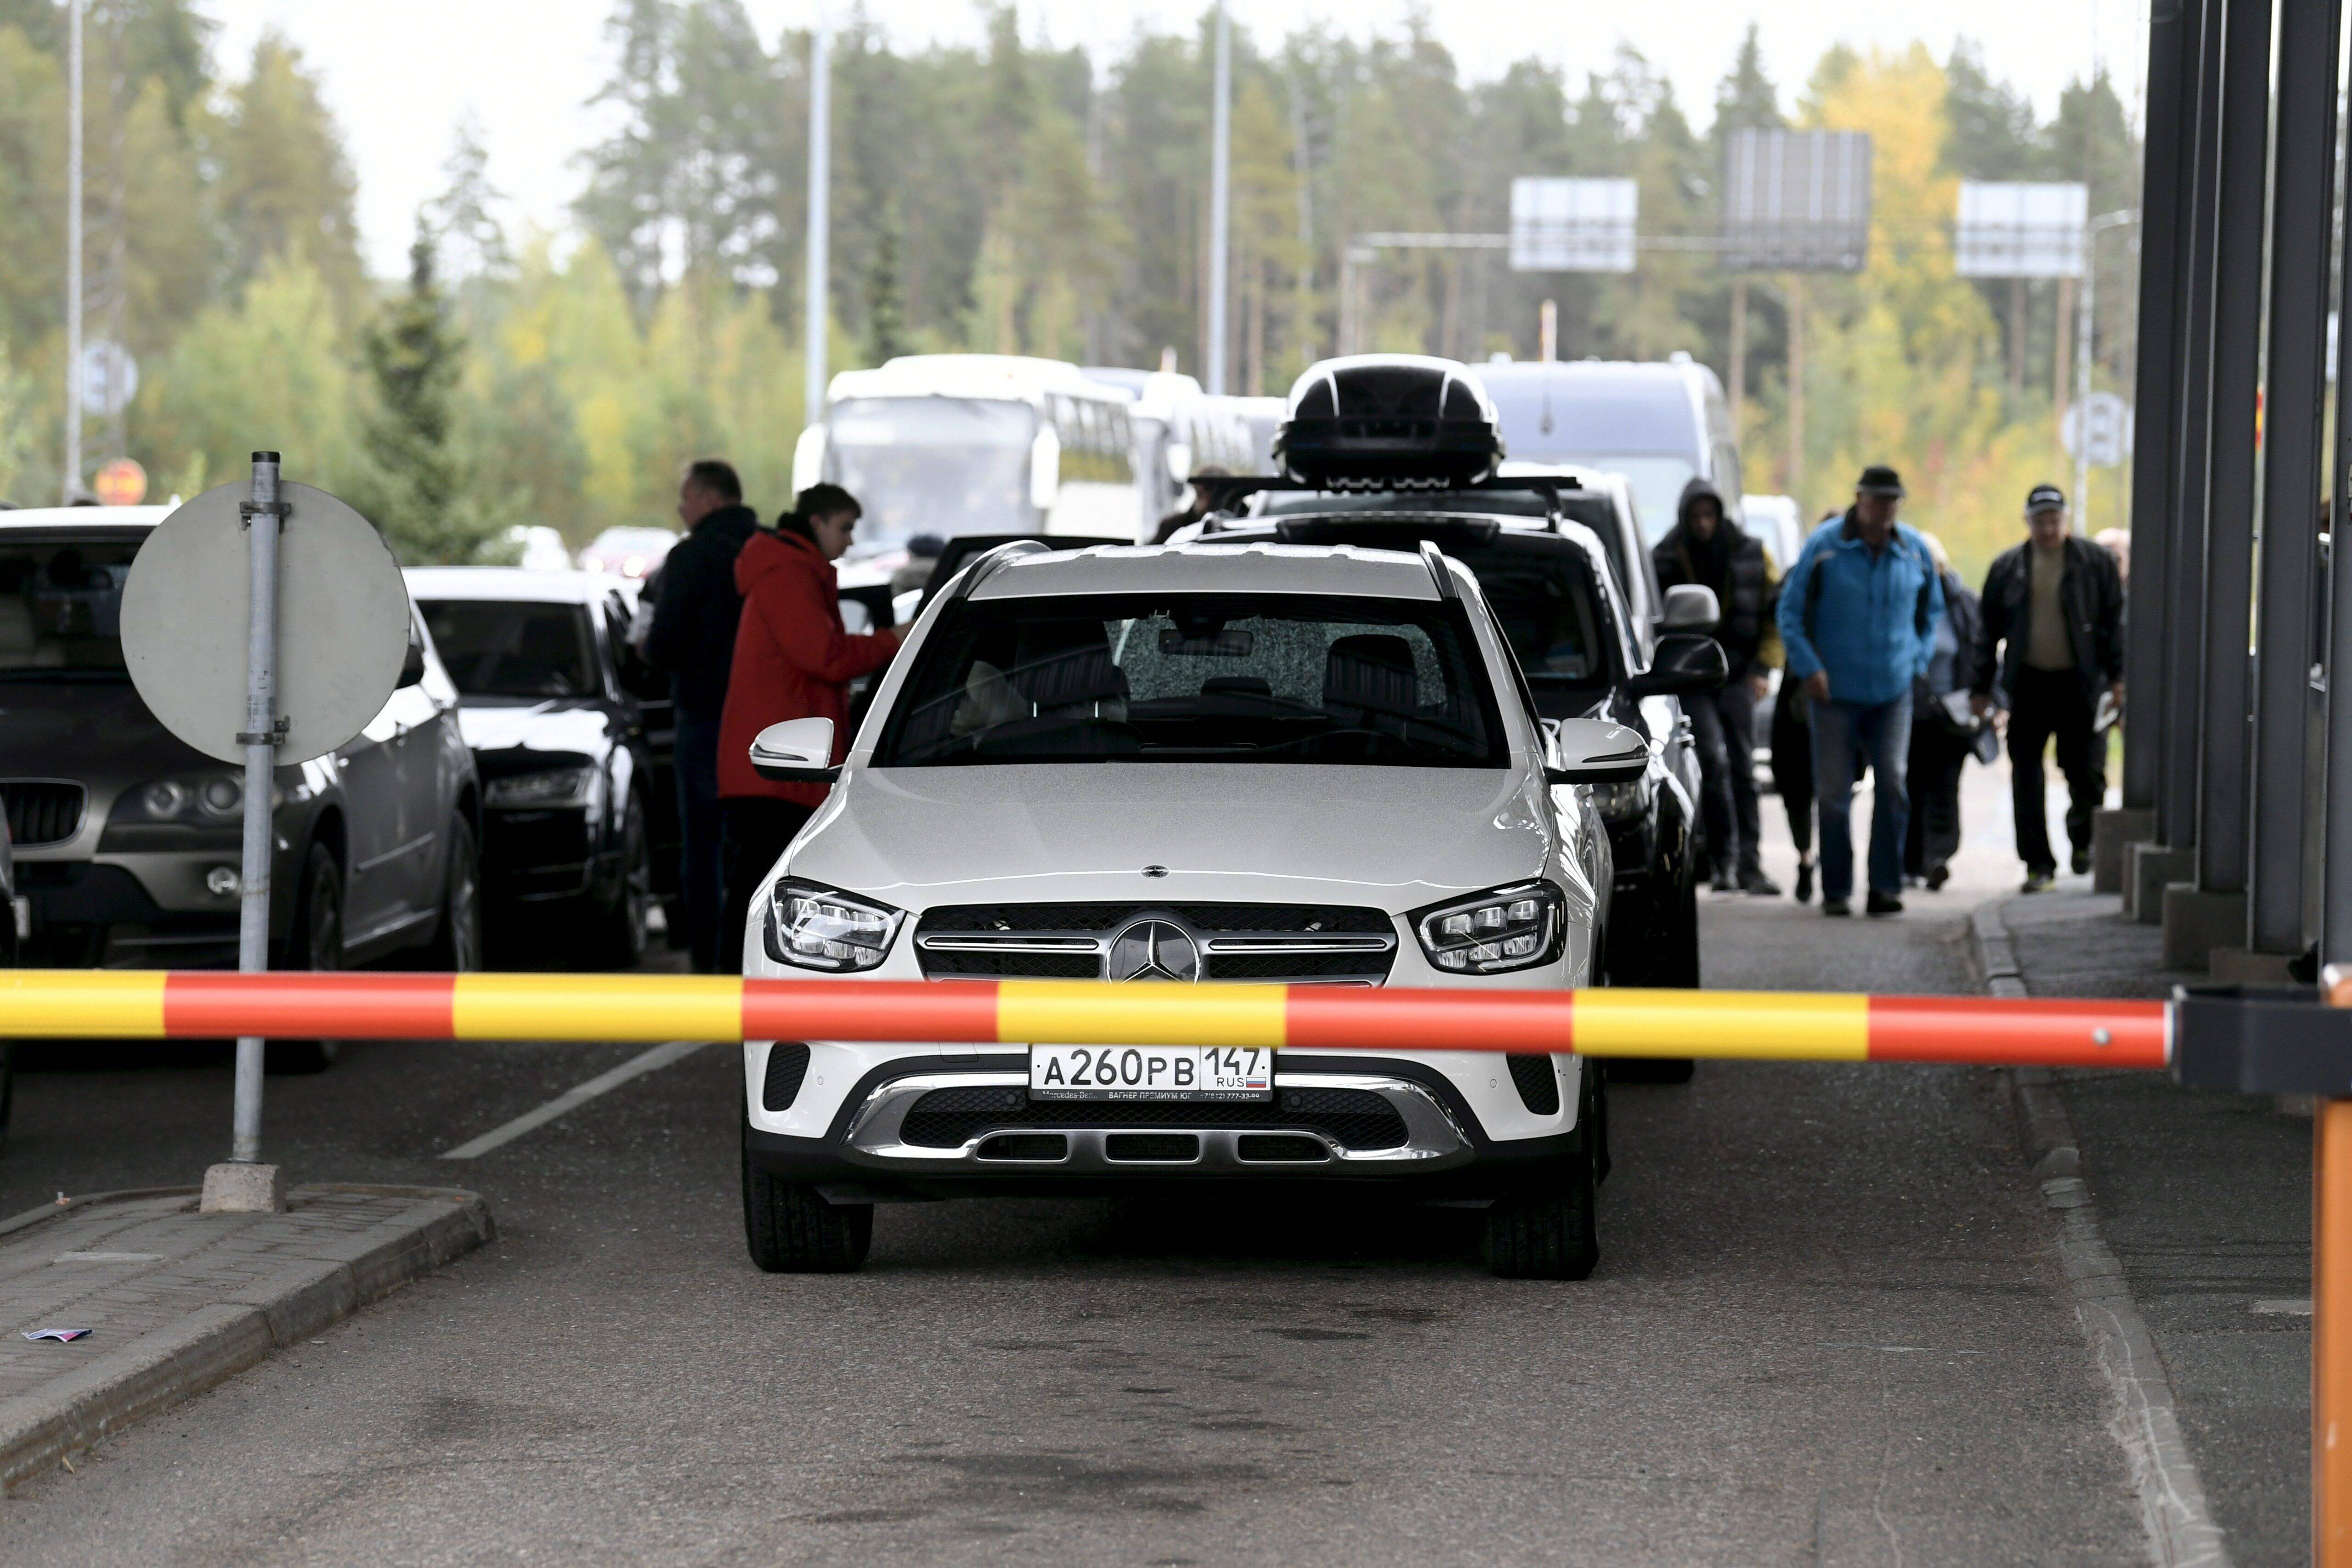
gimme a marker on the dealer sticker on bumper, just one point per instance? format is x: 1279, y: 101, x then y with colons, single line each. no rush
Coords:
x: 1150, y: 1072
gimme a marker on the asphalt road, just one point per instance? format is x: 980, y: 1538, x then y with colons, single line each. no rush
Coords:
x: 1828, y: 1328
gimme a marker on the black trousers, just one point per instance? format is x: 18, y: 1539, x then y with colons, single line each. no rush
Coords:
x: 753, y: 835
x: 1792, y: 765
x: 1938, y: 757
x: 2046, y: 705
x: 1723, y: 726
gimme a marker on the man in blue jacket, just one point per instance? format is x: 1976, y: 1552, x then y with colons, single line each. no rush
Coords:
x: 1857, y: 619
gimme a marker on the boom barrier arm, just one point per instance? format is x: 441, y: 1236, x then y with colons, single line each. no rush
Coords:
x: 1753, y: 1025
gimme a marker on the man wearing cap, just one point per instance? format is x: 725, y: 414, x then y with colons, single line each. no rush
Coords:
x: 1857, y: 619
x: 2052, y: 633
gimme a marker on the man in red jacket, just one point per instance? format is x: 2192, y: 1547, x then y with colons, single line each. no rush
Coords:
x: 793, y: 659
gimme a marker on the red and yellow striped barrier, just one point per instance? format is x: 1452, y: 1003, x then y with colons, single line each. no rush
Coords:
x: 1753, y: 1025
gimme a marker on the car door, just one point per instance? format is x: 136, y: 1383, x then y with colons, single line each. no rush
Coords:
x: 432, y: 757
x: 370, y: 768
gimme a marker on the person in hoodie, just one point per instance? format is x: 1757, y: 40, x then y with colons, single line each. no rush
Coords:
x: 1709, y: 549
x: 692, y: 635
x: 1858, y: 614
x: 793, y: 659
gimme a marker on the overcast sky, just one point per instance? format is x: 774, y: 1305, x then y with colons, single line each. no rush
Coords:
x: 400, y: 77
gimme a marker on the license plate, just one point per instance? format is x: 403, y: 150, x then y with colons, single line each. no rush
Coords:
x: 1150, y: 1072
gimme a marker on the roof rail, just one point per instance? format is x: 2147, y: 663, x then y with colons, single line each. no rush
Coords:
x: 1434, y: 559
x: 972, y: 576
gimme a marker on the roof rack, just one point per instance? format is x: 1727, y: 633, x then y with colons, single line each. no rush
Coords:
x: 972, y: 576
x: 1434, y: 559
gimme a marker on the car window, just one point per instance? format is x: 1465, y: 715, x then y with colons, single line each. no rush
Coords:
x: 493, y: 648
x: 61, y: 610
x: 1197, y: 678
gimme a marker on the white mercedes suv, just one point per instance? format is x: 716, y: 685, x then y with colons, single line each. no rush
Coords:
x: 1221, y: 764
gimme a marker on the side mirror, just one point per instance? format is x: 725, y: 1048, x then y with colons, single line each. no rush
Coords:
x: 1596, y: 752
x: 1684, y: 662
x: 798, y: 751
x: 1689, y: 607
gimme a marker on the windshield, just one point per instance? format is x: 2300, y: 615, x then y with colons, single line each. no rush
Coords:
x: 1194, y: 678
x: 523, y: 650
x: 61, y: 610
x: 943, y: 466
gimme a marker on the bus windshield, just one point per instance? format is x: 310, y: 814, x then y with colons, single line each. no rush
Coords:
x: 943, y: 466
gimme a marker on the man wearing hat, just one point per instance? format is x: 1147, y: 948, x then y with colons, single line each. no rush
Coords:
x: 1857, y: 618
x: 2052, y: 633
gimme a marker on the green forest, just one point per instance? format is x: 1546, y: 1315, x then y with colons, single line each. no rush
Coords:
x: 1008, y: 196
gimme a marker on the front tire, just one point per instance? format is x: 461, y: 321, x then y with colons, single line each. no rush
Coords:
x: 457, y: 945
x: 1546, y: 1231
x: 1671, y: 940
x: 791, y: 1229
x: 318, y: 946
x: 617, y: 937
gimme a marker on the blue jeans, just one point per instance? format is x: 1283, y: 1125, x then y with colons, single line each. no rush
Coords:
x: 696, y: 761
x: 1846, y: 735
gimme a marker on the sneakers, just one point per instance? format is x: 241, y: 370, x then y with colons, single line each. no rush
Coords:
x: 1936, y: 876
x: 1883, y: 903
x: 1804, y: 881
x: 2038, y: 881
x: 2082, y: 862
x: 1753, y: 881
x: 1835, y: 908
x: 1721, y: 882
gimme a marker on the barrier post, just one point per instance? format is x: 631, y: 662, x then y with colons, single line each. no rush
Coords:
x: 2331, y: 1350
x: 264, y: 518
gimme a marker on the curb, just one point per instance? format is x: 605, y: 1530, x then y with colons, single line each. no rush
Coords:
x: 215, y: 1343
x: 2143, y: 1419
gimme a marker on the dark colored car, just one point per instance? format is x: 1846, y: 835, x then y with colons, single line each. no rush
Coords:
x: 127, y: 840
x: 11, y: 929
x: 1552, y: 586
x: 571, y: 801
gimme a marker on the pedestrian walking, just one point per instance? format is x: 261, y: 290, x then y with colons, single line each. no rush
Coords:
x: 1709, y: 549
x: 2052, y: 635
x: 793, y: 659
x: 1857, y: 618
x: 692, y: 635
x: 1945, y: 734
x: 1792, y: 776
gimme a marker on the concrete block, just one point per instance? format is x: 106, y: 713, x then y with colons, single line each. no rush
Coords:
x: 2244, y: 966
x: 2148, y: 869
x: 2113, y: 830
x: 2195, y: 922
x: 235, y: 1187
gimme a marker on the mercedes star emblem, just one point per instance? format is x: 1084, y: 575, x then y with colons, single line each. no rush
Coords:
x: 1153, y: 950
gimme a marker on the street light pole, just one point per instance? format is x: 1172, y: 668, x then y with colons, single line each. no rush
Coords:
x: 69, y: 482
x: 1221, y: 137
x: 816, y: 321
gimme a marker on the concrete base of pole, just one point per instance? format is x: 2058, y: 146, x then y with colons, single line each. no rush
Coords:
x: 2195, y: 922
x: 2244, y: 967
x: 237, y: 1187
x: 2113, y: 830
x: 2148, y: 869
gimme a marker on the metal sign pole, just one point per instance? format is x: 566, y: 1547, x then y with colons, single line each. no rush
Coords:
x: 264, y: 520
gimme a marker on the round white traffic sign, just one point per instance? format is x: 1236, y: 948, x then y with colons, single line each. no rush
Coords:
x: 342, y: 622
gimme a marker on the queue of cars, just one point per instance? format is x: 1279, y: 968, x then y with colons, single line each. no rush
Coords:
x: 1393, y: 722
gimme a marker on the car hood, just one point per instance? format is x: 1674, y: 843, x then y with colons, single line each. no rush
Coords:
x: 98, y: 732
x: 1397, y: 837
x: 528, y: 733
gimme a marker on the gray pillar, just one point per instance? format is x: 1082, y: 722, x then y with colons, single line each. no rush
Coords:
x: 2175, y: 801
x: 2222, y: 763
x: 2303, y: 188
x: 2164, y: 197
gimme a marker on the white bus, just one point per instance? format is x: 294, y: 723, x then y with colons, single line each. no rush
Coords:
x: 956, y: 444
x: 1180, y: 429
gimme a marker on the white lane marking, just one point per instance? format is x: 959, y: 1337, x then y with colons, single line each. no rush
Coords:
x: 2285, y: 1306
x: 573, y: 1098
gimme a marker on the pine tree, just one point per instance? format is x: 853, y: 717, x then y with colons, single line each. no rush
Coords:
x: 886, y: 315
x: 414, y: 358
x: 1746, y: 99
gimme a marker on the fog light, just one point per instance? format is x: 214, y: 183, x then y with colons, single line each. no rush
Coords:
x: 220, y: 881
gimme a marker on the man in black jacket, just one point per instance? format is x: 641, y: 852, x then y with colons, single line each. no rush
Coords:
x: 1707, y: 548
x: 2052, y: 635
x: 695, y: 608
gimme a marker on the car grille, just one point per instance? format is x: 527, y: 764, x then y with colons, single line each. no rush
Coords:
x: 42, y: 811
x: 1537, y: 1083
x: 950, y: 1117
x: 1267, y: 944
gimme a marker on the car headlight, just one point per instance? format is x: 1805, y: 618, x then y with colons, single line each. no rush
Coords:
x: 549, y: 786
x: 811, y: 927
x: 1621, y: 801
x: 1510, y: 928
x: 207, y: 801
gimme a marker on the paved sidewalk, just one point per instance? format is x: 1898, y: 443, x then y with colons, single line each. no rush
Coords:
x: 2206, y: 1201
x: 176, y: 1300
